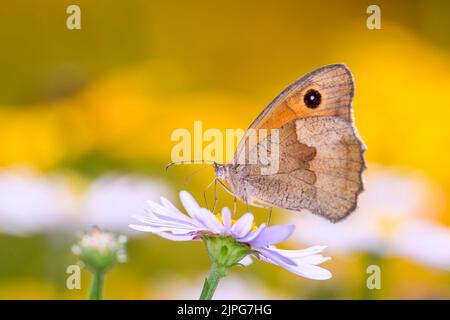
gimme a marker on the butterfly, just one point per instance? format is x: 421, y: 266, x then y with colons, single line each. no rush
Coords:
x: 319, y: 151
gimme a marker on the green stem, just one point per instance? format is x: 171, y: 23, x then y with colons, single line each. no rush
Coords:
x: 95, y: 292
x: 209, y: 287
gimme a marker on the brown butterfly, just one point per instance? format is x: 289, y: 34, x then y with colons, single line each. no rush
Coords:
x: 320, y: 154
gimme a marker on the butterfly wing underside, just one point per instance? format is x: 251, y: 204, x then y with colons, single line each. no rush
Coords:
x: 320, y: 152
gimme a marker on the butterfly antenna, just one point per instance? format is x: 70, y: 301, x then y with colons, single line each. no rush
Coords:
x: 187, y: 162
x: 188, y: 178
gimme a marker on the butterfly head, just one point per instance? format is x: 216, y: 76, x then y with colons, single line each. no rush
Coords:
x: 220, y: 170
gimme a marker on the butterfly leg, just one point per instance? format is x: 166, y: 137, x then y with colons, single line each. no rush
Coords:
x: 206, y: 189
x: 270, y: 216
x: 215, y: 195
x: 259, y: 205
x: 226, y: 188
x: 247, y: 207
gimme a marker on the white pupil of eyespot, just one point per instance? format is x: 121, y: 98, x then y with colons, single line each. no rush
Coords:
x: 312, y: 98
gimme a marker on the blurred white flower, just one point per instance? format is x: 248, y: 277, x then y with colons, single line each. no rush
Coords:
x: 30, y: 202
x: 394, y: 216
x: 424, y: 241
x: 33, y: 202
x: 231, y: 288
x: 110, y: 200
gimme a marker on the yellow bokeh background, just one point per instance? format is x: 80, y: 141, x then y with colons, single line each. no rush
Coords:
x: 107, y: 97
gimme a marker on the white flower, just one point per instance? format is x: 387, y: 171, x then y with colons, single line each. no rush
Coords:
x: 168, y: 222
x: 394, y: 217
x: 30, y: 202
x: 424, y: 241
x: 109, y: 200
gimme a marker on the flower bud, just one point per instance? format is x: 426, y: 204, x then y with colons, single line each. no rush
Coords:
x: 100, y: 250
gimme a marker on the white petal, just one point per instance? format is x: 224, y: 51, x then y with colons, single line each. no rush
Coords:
x: 157, y: 229
x: 242, y: 226
x: 186, y: 221
x: 226, y: 219
x: 310, y: 271
x: 175, y: 237
x: 154, y: 222
x: 276, y: 257
x: 301, y: 268
x: 152, y: 217
x: 166, y: 203
x: 210, y: 221
x: 246, y: 261
x: 305, y: 256
x: 253, y: 234
x: 315, y: 259
x: 272, y: 235
x: 165, y: 213
x: 189, y: 204
x: 301, y: 253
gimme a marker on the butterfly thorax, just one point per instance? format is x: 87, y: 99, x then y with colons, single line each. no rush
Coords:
x: 233, y: 175
x: 226, y: 172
